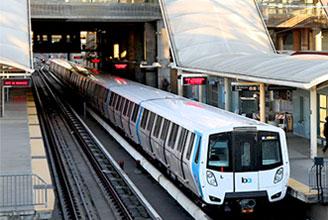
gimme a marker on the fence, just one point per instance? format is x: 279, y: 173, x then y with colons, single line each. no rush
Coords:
x: 22, y: 192
x: 318, y: 178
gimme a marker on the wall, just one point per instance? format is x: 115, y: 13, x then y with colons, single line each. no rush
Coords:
x: 301, y: 127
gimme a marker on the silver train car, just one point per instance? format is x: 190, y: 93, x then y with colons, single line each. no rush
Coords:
x: 218, y: 155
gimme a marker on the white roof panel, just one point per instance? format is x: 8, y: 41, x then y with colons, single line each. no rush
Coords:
x: 15, y: 40
x: 229, y: 39
x: 214, y: 26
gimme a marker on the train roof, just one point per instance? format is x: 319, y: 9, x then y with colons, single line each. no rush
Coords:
x: 197, y: 115
x: 181, y: 110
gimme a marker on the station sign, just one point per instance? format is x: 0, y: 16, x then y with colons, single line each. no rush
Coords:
x: 193, y: 79
x: 17, y: 83
x: 120, y: 66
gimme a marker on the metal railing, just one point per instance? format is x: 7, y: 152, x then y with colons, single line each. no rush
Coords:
x: 318, y: 178
x: 22, y: 192
x: 290, y: 15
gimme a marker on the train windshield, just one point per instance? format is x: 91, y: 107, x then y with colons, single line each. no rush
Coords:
x: 244, y: 151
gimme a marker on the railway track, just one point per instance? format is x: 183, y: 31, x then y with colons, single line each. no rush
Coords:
x: 89, y: 184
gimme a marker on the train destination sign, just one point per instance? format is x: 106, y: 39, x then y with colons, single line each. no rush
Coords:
x: 192, y: 80
x: 19, y: 83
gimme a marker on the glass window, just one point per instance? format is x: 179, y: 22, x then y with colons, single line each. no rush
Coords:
x: 198, y: 150
x: 131, y: 105
x: 246, y: 154
x: 151, y: 121
x: 165, y: 129
x: 323, y: 113
x: 119, y: 100
x: 218, y: 150
x: 122, y: 104
x: 158, y: 123
x: 173, y: 135
x: 135, y: 113
x: 323, y: 101
x: 125, y: 110
x: 144, y: 119
x: 271, y: 154
x: 190, y: 145
x: 182, y: 139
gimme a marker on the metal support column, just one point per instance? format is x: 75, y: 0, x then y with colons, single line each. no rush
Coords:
x: 262, y: 102
x: 313, y: 122
x: 201, y: 94
x: 318, y: 39
x: 227, y: 94
x: 180, y: 86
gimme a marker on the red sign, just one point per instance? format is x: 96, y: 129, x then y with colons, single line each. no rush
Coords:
x: 194, y: 80
x: 120, y: 66
x: 95, y: 60
x: 17, y: 82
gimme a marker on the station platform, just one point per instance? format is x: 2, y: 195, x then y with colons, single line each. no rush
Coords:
x: 300, y: 165
x: 25, y: 181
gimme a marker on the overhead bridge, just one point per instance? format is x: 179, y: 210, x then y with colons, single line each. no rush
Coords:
x: 95, y: 12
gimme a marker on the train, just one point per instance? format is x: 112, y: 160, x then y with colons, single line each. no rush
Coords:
x: 218, y: 155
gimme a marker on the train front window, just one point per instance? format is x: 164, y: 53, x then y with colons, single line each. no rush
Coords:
x: 270, y: 148
x: 218, y: 153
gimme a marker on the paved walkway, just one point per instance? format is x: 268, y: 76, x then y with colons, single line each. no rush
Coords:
x: 24, y: 173
x: 300, y: 164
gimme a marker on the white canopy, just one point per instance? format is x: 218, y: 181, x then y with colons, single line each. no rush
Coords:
x: 15, y: 47
x: 229, y: 39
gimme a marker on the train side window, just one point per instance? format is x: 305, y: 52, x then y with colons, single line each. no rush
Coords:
x: 118, y: 102
x: 182, y: 139
x: 130, y: 109
x: 165, y: 129
x: 198, y: 150
x: 151, y: 121
x: 112, y: 99
x: 122, y: 104
x: 135, y: 113
x: 144, y: 119
x: 191, y: 144
x: 158, y: 123
x: 173, y: 135
x: 125, y: 109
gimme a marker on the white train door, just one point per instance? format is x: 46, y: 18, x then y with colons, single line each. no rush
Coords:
x: 246, y: 175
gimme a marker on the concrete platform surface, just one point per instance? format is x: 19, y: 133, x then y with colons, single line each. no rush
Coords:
x: 24, y: 172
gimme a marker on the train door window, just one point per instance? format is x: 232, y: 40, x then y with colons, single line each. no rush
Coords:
x: 158, y: 124
x: 165, y: 129
x: 126, y: 105
x: 190, y: 145
x: 198, y: 150
x: 135, y: 113
x: 144, y: 119
x: 245, y: 146
x: 150, y: 121
x: 182, y: 139
x: 173, y: 135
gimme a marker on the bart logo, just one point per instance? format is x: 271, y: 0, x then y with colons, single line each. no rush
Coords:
x: 246, y: 180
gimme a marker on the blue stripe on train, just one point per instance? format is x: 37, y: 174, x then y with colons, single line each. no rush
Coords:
x: 196, y: 166
x: 138, y: 124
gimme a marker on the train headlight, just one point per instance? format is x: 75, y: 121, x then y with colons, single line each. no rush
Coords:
x: 211, y: 178
x: 279, y: 175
